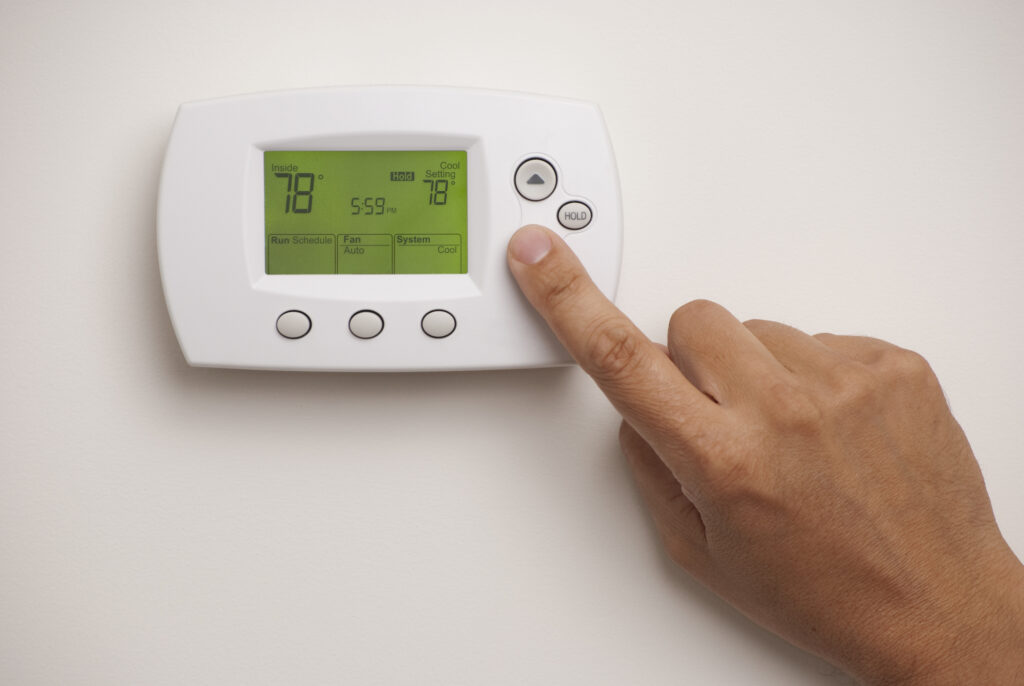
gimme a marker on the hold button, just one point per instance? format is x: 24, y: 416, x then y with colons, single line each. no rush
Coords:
x: 575, y: 215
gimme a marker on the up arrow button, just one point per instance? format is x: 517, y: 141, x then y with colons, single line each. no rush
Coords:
x: 536, y: 179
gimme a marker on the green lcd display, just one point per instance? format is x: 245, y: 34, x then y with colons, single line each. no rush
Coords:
x: 365, y: 212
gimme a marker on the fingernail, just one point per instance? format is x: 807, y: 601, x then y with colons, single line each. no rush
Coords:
x: 529, y: 245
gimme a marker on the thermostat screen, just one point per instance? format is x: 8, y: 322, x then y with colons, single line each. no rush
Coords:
x: 365, y: 212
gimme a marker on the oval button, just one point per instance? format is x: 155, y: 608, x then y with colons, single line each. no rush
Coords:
x: 575, y: 215
x: 438, y: 323
x: 366, y: 324
x: 293, y: 324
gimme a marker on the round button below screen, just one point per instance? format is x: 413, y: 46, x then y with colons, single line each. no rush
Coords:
x: 575, y: 215
x: 438, y: 323
x: 366, y: 324
x: 293, y: 324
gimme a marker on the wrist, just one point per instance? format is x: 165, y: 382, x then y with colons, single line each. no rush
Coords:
x: 981, y: 640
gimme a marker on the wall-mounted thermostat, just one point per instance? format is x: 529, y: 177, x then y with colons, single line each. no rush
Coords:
x: 365, y: 229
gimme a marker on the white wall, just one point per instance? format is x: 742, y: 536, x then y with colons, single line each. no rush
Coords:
x: 852, y: 167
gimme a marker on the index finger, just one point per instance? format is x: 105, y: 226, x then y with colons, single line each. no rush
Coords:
x: 639, y: 379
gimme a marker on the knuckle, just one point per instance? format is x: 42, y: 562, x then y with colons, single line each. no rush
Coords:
x: 792, y: 407
x: 693, y: 311
x: 904, y: 365
x: 756, y: 326
x: 853, y: 385
x: 765, y: 330
x: 612, y: 350
x: 689, y: 321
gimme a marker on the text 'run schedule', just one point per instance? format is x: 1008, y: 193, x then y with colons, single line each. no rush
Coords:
x: 366, y: 212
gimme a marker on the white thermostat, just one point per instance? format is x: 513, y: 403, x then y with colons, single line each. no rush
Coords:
x: 365, y: 229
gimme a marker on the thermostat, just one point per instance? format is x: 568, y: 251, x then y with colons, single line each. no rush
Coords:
x: 365, y: 229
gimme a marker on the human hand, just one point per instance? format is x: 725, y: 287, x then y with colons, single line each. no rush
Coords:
x: 818, y: 483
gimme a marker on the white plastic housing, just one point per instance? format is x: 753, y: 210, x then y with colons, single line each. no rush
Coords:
x: 223, y: 305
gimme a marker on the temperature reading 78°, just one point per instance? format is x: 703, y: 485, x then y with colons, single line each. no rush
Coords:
x: 299, y: 192
x: 438, y: 191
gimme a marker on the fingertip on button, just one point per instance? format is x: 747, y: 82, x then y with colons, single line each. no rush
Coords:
x: 530, y: 244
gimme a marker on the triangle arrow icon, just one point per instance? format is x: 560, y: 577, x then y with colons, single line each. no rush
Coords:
x: 535, y: 180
